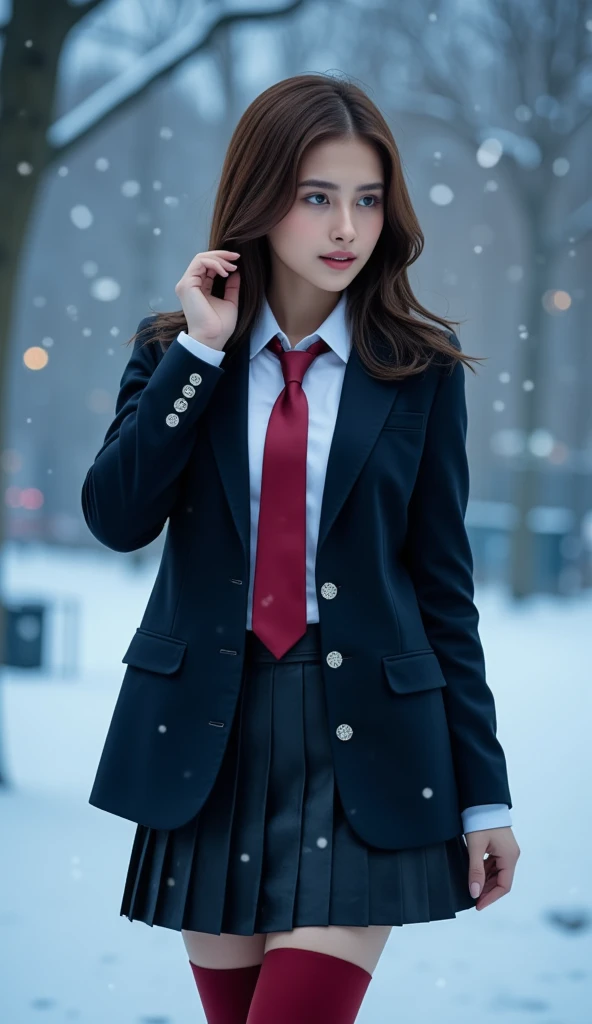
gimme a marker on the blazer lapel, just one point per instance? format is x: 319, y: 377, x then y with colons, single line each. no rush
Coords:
x: 364, y: 405
x: 363, y: 408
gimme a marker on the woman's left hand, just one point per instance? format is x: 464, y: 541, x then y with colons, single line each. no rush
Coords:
x: 494, y: 875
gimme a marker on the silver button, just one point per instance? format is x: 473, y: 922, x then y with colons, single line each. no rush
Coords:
x: 329, y: 590
x: 334, y: 659
x: 188, y: 391
x: 172, y: 419
x: 180, y: 405
x: 195, y: 378
x: 345, y: 732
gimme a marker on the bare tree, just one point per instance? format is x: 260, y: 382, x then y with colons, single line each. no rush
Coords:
x: 512, y: 81
x: 164, y: 34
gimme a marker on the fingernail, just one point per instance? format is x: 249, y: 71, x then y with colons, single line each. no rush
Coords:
x: 475, y: 889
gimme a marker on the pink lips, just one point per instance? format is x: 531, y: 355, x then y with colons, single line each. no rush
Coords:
x: 336, y: 264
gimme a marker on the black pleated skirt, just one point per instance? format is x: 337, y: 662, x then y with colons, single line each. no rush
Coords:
x: 271, y: 849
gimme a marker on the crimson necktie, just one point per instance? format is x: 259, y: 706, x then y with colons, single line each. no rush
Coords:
x: 279, y: 593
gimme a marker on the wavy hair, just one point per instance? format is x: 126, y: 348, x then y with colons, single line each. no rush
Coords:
x: 257, y: 189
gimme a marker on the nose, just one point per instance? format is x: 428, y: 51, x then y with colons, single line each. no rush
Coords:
x: 345, y: 231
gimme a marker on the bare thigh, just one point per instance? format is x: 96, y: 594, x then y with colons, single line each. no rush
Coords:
x: 223, y: 951
x: 361, y: 946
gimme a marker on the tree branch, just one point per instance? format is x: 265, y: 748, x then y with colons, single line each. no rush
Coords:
x: 74, y: 14
x: 112, y: 98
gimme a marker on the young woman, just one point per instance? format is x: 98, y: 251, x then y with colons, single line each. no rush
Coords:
x: 304, y: 734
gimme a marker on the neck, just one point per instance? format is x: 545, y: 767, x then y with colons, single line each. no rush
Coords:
x: 299, y: 315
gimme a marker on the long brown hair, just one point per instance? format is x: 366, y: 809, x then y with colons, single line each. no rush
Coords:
x: 257, y: 189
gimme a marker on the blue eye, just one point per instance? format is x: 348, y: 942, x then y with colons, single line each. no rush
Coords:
x: 314, y: 195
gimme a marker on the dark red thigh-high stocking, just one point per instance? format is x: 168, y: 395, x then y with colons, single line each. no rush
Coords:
x: 297, y: 985
x: 226, y: 993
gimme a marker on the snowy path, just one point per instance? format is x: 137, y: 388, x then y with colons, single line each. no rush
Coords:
x: 66, y: 955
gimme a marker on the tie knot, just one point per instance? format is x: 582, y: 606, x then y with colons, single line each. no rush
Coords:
x: 294, y: 364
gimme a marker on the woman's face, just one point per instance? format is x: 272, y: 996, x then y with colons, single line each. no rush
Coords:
x: 334, y: 213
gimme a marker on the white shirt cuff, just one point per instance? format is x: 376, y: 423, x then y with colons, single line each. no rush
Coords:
x: 485, y: 816
x: 205, y: 352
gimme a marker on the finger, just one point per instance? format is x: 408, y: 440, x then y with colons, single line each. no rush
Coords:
x: 490, y: 883
x: 214, y: 264
x: 490, y: 897
x: 206, y: 263
x: 207, y: 282
x: 503, y: 884
x: 200, y: 261
x: 203, y: 280
x: 226, y: 264
x: 231, y: 288
x: 201, y: 257
x: 488, y: 879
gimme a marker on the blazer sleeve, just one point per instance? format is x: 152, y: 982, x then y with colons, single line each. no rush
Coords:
x: 438, y: 557
x: 132, y: 486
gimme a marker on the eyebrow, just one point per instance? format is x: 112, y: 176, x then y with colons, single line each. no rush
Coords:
x: 318, y: 183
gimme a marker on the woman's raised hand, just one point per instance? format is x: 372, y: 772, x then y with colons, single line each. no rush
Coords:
x: 210, y: 320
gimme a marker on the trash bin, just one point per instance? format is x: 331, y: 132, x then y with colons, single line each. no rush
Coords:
x: 23, y: 635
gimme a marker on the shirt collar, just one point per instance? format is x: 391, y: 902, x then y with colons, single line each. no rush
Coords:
x: 333, y: 330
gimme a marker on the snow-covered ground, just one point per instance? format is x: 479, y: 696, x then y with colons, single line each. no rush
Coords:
x: 66, y: 955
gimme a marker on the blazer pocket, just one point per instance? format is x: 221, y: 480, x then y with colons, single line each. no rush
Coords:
x: 413, y: 671
x: 404, y: 421
x: 155, y: 652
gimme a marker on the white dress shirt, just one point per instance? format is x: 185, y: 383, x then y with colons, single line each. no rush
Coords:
x: 322, y: 385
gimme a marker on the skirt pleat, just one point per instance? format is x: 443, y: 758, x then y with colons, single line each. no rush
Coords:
x: 272, y: 849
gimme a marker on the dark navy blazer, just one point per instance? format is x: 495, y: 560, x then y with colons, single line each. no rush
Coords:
x: 392, y: 538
